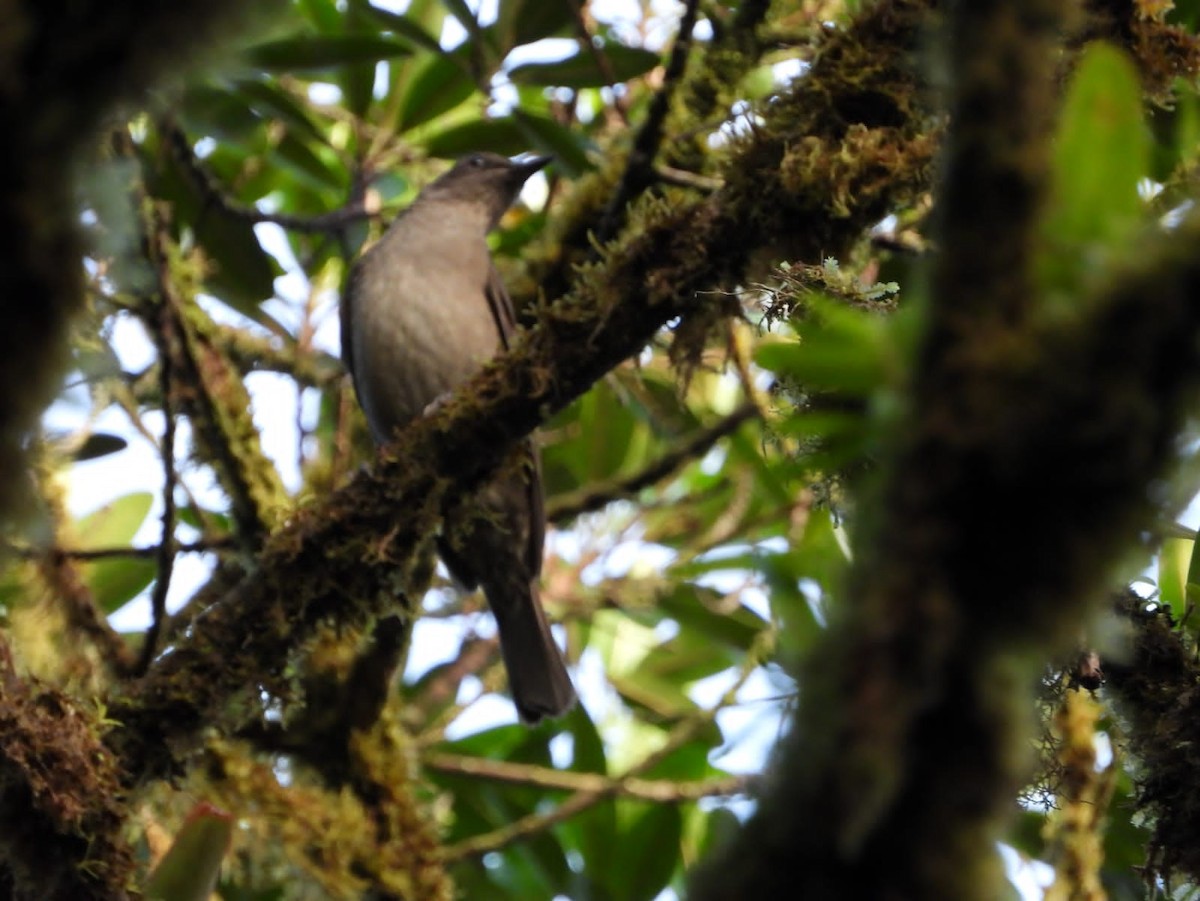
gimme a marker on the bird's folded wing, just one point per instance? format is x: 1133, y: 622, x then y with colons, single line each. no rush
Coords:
x: 505, y: 316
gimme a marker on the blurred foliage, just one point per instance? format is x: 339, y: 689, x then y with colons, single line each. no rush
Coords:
x: 685, y: 601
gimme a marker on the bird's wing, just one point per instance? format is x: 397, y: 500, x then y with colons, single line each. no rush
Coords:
x: 505, y: 316
x: 501, y: 306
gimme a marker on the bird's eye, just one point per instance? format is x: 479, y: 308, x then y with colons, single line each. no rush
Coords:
x: 476, y: 161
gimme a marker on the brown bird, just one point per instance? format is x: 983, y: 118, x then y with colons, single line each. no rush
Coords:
x: 423, y: 310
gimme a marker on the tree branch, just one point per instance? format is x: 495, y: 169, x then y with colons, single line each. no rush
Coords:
x: 910, y: 742
x: 639, y: 169
x: 660, y: 791
x: 61, y: 788
x: 75, y: 68
x: 214, y: 197
x: 595, y: 497
x: 584, y: 798
x: 148, y: 552
x: 164, y: 336
x: 340, y: 560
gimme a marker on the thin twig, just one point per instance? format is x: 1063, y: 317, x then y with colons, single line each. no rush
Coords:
x: 474, y: 656
x: 215, y: 403
x: 663, y: 791
x: 164, y: 335
x: 739, y: 347
x: 639, y: 170
x: 684, y: 732
x: 600, y: 58
x: 107, y: 553
x: 597, y: 496
x: 332, y: 222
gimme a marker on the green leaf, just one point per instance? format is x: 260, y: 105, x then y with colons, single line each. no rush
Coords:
x: 220, y: 114
x: 358, y: 84
x: 1028, y: 833
x: 583, y: 71
x: 357, y: 80
x: 1185, y: 13
x: 609, y: 430
x: 689, y: 606
x: 589, y: 756
x: 99, y: 444
x: 547, y: 136
x: 689, y: 762
x: 1174, y: 562
x: 96, y: 360
x: 604, y: 435
x: 115, y: 523
x: 499, y: 743
x: 1187, y: 124
x: 1101, y: 152
x: 594, y: 831
x: 686, y: 659
x: 189, y: 869
x: 655, y: 399
x: 661, y: 699
x: 243, y: 274
x: 322, y: 52
x: 267, y: 99
x: 758, y: 84
x: 114, y: 581
x: 1126, y: 838
x: 503, y: 136
x: 525, y: 21
x: 745, y: 453
x: 304, y: 162
x: 721, y: 827
x: 649, y: 852
x: 322, y: 13
x: 201, y: 519
x: 403, y: 24
x: 437, y: 86
x: 839, y: 349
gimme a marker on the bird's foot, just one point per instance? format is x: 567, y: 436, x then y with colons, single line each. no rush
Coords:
x: 438, y: 403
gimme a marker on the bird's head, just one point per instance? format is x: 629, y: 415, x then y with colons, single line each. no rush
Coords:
x: 489, y: 179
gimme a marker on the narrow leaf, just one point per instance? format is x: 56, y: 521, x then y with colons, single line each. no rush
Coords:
x: 317, y: 52
x: 189, y: 869
x: 437, y: 86
x: 583, y: 70
x: 1102, y: 150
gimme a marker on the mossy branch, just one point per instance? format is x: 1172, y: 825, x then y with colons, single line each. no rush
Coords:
x: 63, y: 66
x: 898, y: 776
x: 60, y: 797
x: 340, y: 560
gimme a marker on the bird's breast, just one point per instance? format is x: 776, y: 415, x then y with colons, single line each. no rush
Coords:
x: 421, y: 324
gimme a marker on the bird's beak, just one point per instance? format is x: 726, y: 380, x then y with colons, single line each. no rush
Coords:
x: 526, y: 168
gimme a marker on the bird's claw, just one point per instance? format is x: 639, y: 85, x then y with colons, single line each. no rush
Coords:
x: 438, y: 403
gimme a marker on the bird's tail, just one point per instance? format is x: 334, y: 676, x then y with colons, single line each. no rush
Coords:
x: 537, y: 673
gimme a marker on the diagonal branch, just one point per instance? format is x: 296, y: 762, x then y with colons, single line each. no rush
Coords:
x: 214, y: 196
x: 1023, y: 469
x: 341, y: 560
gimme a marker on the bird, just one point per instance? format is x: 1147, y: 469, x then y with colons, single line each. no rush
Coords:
x: 424, y: 309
